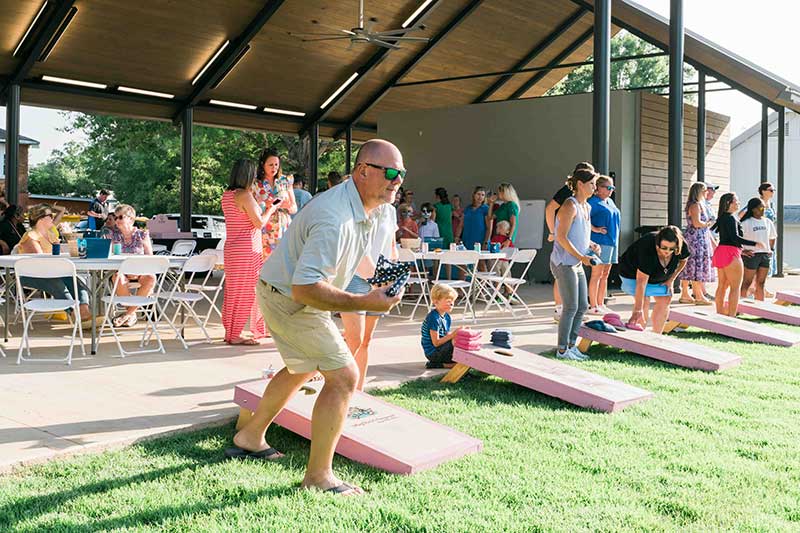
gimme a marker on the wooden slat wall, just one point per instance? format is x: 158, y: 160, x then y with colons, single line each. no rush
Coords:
x: 653, y: 155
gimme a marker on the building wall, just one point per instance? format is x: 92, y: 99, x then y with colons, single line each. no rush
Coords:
x: 654, y: 155
x: 532, y: 144
x: 791, y: 252
x: 746, y: 162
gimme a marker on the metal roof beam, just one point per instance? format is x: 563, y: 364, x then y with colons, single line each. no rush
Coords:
x: 322, y: 111
x: 534, y: 53
x: 229, y: 56
x: 34, y: 50
x: 375, y: 98
x: 569, y: 50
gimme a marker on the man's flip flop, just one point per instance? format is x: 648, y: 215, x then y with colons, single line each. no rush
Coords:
x: 269, y: 454
x: 339, y: 489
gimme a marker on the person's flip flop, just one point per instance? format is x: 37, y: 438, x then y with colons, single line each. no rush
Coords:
x: 268, y: 454
x: 634, y: 326
x: 339, y: 489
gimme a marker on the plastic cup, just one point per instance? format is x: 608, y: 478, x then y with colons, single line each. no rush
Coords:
x: 117, y: 250
x: 56, y: 248
x: 477, y: 247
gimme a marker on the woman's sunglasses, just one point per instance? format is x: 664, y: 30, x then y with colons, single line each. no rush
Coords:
x: 669, y: 249
x: 389, y: 172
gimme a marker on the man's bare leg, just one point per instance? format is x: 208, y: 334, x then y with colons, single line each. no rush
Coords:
x: 327, y: 421
x: 278, y: 392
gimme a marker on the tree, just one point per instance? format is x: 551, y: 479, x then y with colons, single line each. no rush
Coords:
x: 624, y: 74
x: 140, y: 161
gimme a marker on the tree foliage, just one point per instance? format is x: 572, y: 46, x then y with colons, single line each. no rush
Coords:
x: 139, y: 160
x: 624, y: 74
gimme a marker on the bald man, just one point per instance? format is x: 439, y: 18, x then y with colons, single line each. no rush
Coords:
x: 301, y: 283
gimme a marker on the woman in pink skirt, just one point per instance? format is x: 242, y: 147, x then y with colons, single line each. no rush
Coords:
x: 728, y: 255
x: 243, y: 254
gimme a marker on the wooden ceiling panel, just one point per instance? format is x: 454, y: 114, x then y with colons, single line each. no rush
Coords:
x: 147, y: 44
x: 301, y: 75
x: 15, y: 19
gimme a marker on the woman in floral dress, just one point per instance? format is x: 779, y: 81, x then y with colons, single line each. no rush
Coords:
x: 698, y: 269
x: 269, y: 186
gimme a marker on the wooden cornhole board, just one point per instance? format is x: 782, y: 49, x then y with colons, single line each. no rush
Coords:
x: 547, y: 376
x: 730, y: 327
x: 787, y: 297
x: 375, y: 432
x: 668, y: 349
x: 770, y: 311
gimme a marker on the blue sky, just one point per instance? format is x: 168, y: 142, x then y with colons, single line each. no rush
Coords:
x: 763, y: 32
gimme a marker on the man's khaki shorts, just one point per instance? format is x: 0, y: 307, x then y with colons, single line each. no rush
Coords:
x: 307, y: 338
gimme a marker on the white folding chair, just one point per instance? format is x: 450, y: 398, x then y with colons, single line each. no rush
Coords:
x: 466, y: 261
x: 494, y: 283
x: 50, y: 268
x: 159, y: 248
x: 183, y: 247
x: 198, y: 266
x: 418, y: 277
x: 210, y: 291
x: 154, y: 265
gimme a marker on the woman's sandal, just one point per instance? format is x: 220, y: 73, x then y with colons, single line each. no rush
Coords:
x: 124, y: 320
x: 244, y: 342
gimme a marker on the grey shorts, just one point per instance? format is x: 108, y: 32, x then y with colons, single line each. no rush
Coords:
x: 756, y: 262
x: 359, y: 285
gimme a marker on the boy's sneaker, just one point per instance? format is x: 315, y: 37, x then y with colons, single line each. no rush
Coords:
x: 577, y: 354
x: 431, y: 364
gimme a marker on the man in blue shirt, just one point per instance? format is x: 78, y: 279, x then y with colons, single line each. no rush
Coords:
x: 301, y: 195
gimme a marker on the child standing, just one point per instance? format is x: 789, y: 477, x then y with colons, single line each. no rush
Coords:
x: 437, y: 339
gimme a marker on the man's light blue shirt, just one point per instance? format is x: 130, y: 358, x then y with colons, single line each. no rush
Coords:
x: 325, y: 241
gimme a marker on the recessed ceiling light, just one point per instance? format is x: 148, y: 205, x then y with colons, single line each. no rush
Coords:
x: 414, y: 15
x: 283, y: 112
x: 232, y: 104
x: 19, y: 45
x: 210, y: 61
x: 69, y: 81
x: 144, y: 92
x: 341, y: 88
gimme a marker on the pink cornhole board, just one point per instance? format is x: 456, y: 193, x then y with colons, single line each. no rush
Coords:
x: 792, y: 297
x: 770, y: 311
x: 668, y: 349
x: 733, y: 327
x: 553, y: 378
x: 375, y: 433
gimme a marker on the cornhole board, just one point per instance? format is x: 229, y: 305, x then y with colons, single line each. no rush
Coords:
x: 547, y: 376
x: 730, y: 327
x: 375, y: 433
x: 668, y: 349
x: 770, y: 311
x: 787, y: 297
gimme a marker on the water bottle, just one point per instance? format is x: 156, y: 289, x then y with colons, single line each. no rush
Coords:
x: 476, y: 247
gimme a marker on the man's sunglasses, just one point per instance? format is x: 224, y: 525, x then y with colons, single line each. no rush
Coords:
x: 389, y: 173
x: 610, y: 188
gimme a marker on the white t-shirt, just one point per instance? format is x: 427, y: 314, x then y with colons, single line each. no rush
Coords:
x: 429, y: 230
x: 761, y: 230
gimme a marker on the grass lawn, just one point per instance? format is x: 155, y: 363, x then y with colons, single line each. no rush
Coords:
x: 710, y: 452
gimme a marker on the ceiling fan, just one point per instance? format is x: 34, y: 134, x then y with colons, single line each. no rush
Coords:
x: 364, y: 34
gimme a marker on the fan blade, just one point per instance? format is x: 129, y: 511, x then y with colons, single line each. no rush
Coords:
x: 408, y: 39
x: 384, y: 44
x: 326, y: 34
x: 326, y: 39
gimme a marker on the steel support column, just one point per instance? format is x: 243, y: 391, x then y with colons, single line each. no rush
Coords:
x: 186, y: 118
x: 764, y: 142
x: 12, y: 144
x: 701, y: 126
x: 601, y: 94
x: 313, y: 158
x: 781, y: 187
x: 348, y: 150
x: 675, y: 166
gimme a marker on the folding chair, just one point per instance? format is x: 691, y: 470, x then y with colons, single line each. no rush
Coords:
x: 494, y: 283
x: 467, y: 261
x: 50, y: 268
x: 183, y: 247
x: 418, y: 277
x: 196, y: 266
x: 208, y: 288
x: 138, y: 266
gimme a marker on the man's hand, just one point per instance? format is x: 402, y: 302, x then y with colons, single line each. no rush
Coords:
x: 378, y: 301
x: 669, y: 284
x: 748, y: 253
x: 551, y: 237
x: 593, y: 246
x: 601, y: 229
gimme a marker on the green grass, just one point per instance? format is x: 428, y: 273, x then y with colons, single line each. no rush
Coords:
x: 710, y: 452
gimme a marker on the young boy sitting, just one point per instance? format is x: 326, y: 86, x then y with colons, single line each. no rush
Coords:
x: 437, y: 339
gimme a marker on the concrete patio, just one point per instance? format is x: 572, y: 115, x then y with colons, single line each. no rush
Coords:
x: 105, y: 401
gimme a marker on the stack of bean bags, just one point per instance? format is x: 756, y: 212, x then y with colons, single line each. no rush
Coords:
x: 468, y: 339
x: 502, y: 338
